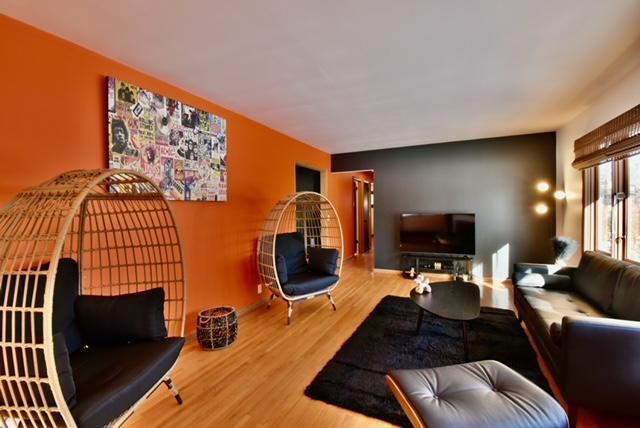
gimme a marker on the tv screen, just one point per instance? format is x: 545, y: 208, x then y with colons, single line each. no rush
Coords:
x: 438, y: 233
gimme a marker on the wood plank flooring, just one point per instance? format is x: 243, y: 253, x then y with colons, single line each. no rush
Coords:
x: 260, y: 380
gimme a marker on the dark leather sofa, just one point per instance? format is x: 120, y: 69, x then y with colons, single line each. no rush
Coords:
x: 586, y: 322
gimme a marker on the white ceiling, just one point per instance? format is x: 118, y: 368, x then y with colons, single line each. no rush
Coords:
x: 350, y: 75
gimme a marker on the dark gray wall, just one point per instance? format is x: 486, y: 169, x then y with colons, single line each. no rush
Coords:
x: 307, y: 180
x: 494, y: 178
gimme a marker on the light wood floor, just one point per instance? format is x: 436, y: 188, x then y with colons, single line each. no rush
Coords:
x: 260, y: 380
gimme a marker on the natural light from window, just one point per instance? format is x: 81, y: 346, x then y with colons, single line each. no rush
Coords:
x: 633, y: 208
x: 604, y: 208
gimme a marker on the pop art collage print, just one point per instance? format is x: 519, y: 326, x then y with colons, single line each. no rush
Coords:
x: 180, y: 148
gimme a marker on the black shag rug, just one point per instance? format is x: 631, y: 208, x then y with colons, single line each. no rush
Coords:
x: 386, y: 340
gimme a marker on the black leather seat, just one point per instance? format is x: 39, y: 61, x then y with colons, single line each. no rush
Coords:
x: 308, y: 282
x: 109, y: 380
x: 478, y: 394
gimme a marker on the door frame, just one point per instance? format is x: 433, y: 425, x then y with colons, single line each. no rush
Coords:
x: 358, y: 204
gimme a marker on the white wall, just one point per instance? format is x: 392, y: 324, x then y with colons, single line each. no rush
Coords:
x: 613, y: 94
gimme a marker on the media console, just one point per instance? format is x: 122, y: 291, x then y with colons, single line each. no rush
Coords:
x: 455, y: 265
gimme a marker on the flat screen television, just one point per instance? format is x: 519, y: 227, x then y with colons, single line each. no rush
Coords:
x: 451, y: 234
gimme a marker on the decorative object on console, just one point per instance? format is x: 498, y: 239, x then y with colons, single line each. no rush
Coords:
x: 423, y: 284
x: 304, y: 225
x: 95, y: 238
x: 182, y: 149
x: 217, y: 328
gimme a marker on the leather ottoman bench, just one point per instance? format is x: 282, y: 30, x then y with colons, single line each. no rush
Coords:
x: 478, y: 394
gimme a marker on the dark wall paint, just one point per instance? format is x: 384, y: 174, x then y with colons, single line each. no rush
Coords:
x: 307, y: 180
x: 494, y: 178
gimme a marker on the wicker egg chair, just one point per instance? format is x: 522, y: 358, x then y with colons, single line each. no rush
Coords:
x: 302, y: 226
x: 117, y: 229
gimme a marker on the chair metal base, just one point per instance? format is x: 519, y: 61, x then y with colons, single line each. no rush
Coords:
x: 290, y: 304
x: 172, y: 388
x: 333, y: 303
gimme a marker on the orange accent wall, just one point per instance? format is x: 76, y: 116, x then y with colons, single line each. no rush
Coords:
x: 53, y: 119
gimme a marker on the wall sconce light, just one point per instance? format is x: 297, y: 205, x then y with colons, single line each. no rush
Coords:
x: 541, y: 208
x: 559, y: 194
x: 543, y: 186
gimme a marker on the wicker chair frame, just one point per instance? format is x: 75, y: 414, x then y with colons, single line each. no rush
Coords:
x: 314, y: 216
x: 119, y: 228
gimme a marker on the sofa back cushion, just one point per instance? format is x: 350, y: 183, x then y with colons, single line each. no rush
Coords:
x: 626, y: 296
x: 291, y: 247
x: 596, y: 278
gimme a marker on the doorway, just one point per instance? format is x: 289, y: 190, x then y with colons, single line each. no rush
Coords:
x: 366, y: 235
x: 363, y: 215
x: 307, y: 180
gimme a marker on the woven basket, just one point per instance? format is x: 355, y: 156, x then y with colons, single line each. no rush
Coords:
x: 217, y: 328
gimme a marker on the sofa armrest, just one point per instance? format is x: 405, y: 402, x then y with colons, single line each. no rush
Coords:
x: 541, y: 275
x: 542, y: 268
x: 600, y: 365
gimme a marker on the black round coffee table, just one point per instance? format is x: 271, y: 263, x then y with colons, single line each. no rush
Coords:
x: 453, y: 300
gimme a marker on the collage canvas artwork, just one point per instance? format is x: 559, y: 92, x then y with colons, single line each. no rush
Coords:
x: 180, y: 148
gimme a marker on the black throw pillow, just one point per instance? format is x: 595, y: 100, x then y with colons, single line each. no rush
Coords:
x: 323, y: 260
x: 281, y: 269
x: 120, y: 319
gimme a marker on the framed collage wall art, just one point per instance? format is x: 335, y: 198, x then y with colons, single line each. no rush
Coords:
x: 182, y: 149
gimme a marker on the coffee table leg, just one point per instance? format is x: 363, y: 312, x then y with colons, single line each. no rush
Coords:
x: 420, y: 315
x: 464, y: 341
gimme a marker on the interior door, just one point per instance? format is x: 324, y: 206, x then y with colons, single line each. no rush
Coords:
x: 356, y: 217
x: 366, y: 211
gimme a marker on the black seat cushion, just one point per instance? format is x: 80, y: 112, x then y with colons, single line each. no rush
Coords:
x: 281, y: 269
x: 120, y: 319
x: 64, y: 296
x: 36, y: 367
x: 308, y: 282
x: 17, y: 325
x: 66, y: 336
x: 63, y: 367
x: 291, y: 247
x: 323, y: 260
x: 109, y: 380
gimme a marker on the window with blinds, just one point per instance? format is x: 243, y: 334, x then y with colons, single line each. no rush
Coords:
x: 609, y: 158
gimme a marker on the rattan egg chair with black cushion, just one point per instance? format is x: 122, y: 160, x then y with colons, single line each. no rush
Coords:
x: 92, y: 299
x: 300, y: 249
